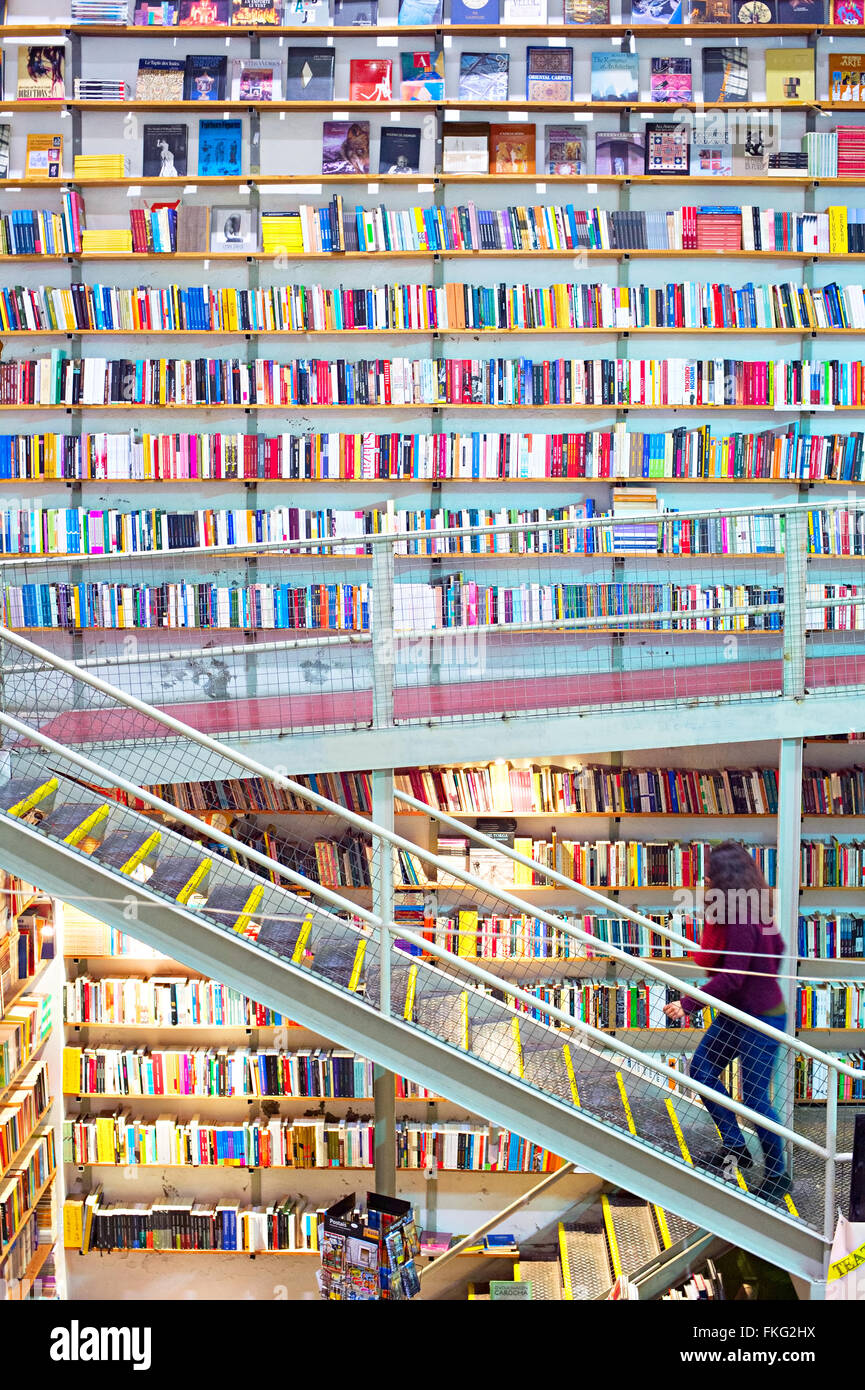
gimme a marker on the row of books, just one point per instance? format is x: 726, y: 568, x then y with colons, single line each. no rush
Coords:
x: 307, y: 74
x: 22, y: 1110
x: 429, y: 381
x: 786, y: 453
x: 37, y: 1231
x: 421, y: 607
x: 202, y: 14
x: 565, y: 531
x: 474, y: 934
x: 832, y: 864
x: 472, y: 1148
x: 19, y: 1187
x: 623, y: 1005
x: 812, y: 1079
x: 414, y: 307
x: 309, y: 229
x: 215, y: 1072
x: 831, y: 936
x: 619, y: 863
x: 163, y: 1002
x: 333, y: 227
x: 24, y: 1029
x: 92, y: 1223
x: 830, y: 1005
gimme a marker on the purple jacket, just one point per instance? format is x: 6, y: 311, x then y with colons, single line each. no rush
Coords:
x: 748, y: 946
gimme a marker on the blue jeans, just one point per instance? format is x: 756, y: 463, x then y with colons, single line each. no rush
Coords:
x: 724, y: 1040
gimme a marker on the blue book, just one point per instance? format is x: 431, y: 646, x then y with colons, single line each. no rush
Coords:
x: 474, y: 11
x: 220, y: 146
x: 420, y: 12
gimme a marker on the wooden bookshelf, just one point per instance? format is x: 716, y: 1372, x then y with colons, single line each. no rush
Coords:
x: 424, y: 182
x: 40, y: 1193
x: 42, y: 29
x: 550, y: 331
x: 431, y: 253
x: 420, y: 407
x: 337, y: 104
x: 453, y: 481
x: 23, y: 1145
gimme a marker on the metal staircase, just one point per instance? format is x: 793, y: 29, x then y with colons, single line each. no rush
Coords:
x: 359, y: 974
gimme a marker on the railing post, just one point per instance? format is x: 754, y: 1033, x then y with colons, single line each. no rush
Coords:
x: 787, y: 903
x: 383, y: 1084
x: 381, y: 632
x: 795, y: 579
x: 831, y: 1151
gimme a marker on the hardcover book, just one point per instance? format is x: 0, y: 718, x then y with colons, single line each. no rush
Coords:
x: 5, y: 136
x: 160, y: 79
x: 549, y: 73
x: 849, y: 12
x: 790, y: 74
x: 474, y: 11
x: 566, y: 149
x: 309, y: 14
x: 671, y: 80
x: 44, y: 157
x: 847, y: 76
x: 512, y: 149
x: 725, y: 74
x: 251, y: 13
x: 233, y: 229
x: 220, y: 148
x: 801, y: 11
x: 161, y: 13
x: 620, y: 152
x: 165, y: 151
x: 656, y: 11
x: 203, y: 14
x: 422, y: 76
x: 370, y: 79
x: 355, y: 14
x: 309, y: 75
x: 708, y: 11
x: 615, y: 77
x: 345, y: 147
x: 256, y: 79
x: 587, y: 11
x: 711, y: 161
x: 423, y: 12
x: 753, y: 11
x: 399, y: 150
x: 752, y: 155
x: 483, y: 76
x: 525, y: 12
x: 40, y: 73
x: 465, y: 148
x: 668, y: 148
x: 204, y: 78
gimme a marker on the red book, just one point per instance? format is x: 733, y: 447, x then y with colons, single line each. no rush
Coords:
x: 370, y: 79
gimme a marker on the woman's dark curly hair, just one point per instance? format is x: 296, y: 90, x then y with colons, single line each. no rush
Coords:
x: 731, y: 870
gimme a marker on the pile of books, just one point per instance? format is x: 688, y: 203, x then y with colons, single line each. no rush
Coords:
x: 851, y: 151
x: 89, y: 89
x: 719, y: 229
x: 821, y: 148
x: 108, y: 240
x: 100, y: 166
x: 100, y: 12
x: 281, y: 232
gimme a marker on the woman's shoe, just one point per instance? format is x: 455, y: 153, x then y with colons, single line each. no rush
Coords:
x: 774, y: 1187
x: 724, y: 1160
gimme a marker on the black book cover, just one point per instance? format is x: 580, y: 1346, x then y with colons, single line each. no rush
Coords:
x: 309, y: 75
x: 165, y: 151
x: 399, y: 151
x: 204, y: 77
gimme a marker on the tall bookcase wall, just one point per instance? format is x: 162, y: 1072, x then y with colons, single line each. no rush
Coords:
x: 32, y: 1257
x: 449, y: 1201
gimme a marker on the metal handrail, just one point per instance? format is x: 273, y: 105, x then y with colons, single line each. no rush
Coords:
x: 284, y: 782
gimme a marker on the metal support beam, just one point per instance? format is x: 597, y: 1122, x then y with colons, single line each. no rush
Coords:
x: 787, y: 898
x: 507, y: 1100
x: 795, y: 578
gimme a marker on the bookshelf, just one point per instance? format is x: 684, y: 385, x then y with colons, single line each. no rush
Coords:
x: 31, y: 1179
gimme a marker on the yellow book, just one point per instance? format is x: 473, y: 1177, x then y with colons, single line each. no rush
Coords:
x: 73, y: 1222
x: 105, y: 1139
x: 71, y: 1071
x: 789, y: 74
x: 467, y: 925
x: 522, y: 873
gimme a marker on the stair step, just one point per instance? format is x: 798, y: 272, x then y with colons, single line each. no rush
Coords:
x: 278, y: 934
x: 545, y: 1277
x: 444, y: 1015
x: 636, y: 1236
x: 677, y: 1227
x: 124, y: 849
x: 585, y: 1262
x: 232, y: 905
x: 20, y: 795
x: 496, y: 1044
x: 180, y: 875
x: 547, y: 1070
x: 76, y: 822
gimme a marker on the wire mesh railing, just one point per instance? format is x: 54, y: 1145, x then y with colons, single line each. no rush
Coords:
x: 454, y: 616
x: 597, y: 1030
